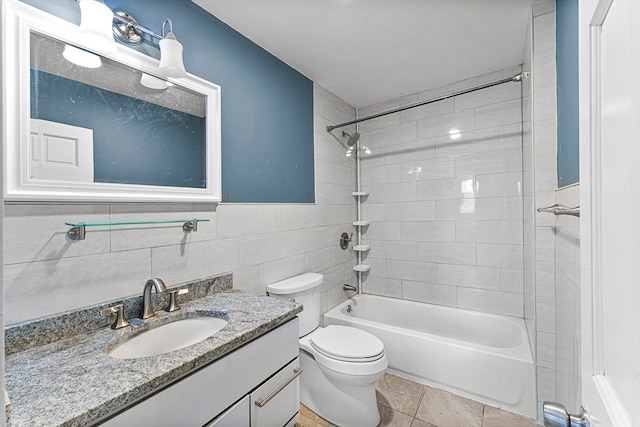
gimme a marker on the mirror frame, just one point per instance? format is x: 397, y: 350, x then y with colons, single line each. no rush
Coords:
x: 18, y: 20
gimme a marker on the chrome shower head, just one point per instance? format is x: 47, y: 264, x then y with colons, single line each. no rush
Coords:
x: 351, y: 139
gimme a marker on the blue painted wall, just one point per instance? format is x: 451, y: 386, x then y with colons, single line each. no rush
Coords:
x: 134, y: 142
x: 567, y: 74
x: 267, y: 106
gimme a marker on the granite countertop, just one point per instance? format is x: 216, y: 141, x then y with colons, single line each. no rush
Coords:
x: 73, y: 382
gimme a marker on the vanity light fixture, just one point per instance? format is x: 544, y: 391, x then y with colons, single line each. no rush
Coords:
x: 127, y: 29
x: 98, y: 25
x: 95, y: 26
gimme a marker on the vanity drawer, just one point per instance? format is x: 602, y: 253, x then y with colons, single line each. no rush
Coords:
x: 277, y: 401
x: 237, y: 415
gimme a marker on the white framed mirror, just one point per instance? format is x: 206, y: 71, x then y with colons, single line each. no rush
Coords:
x: 112, y: 131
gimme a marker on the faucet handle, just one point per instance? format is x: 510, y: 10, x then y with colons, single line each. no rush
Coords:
x: 120, y: 321
x: 173, y: 305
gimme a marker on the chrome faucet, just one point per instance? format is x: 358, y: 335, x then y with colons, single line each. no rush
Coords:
x: 158, y: 284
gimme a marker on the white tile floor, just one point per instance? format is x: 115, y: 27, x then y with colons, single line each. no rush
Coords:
x: 405, y: 403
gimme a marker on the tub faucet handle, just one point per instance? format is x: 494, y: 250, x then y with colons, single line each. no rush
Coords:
x: 120, y: 321
x: 345, y: 239
x: 173, y: 304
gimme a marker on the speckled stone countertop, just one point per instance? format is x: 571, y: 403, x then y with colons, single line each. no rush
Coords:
x: 73, y: 381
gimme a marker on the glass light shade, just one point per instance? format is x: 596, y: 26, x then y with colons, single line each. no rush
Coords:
x: 81, y: 57
x: 171, y: 64
x: 147, y: 80
x: 95, y: 26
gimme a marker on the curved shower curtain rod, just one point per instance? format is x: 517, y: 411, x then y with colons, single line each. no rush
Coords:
x: 516, y: 78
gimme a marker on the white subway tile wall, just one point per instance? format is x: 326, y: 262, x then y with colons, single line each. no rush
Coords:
x: 46, y: 273
x: 567, y: 302
x: 446, y: 187
x: 551, y: 279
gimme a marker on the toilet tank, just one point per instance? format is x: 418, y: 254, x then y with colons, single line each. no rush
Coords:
x: 303, y: 289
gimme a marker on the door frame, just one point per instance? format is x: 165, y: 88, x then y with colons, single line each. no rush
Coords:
x: 598, y: 393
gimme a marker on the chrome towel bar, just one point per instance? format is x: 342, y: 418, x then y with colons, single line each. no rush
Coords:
x: 561, y: 210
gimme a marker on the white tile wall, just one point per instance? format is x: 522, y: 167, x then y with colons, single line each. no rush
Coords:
x: 462, y: 121
x: 37, y: 288
x: 440, y: 231
x: 551, y: 279
x: 411, y: 270
x: 46, y: 273
x: 396, y: 134
x: 567, y: 295
x: 457, y: 204
x: 447, y: 253
x: 469, y: 276
x: 504, y: 232
x: 261, y: 248
x: 410, y: 211
x: 429, y: 292
x: 506, y: 303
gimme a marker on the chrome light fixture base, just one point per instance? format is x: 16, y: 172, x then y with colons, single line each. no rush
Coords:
x: 126, y: 28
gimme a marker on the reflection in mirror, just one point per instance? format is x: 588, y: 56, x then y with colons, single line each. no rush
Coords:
x: 111, y: 123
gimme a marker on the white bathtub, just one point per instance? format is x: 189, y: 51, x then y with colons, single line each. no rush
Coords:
x: 481, y: 356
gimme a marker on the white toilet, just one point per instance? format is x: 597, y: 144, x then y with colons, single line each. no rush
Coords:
x: 340, y: 364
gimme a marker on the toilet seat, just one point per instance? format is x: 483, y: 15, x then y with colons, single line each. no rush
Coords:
x: 360, y: 364
x: 347, y: 344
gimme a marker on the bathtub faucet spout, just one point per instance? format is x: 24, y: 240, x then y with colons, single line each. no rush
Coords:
x: 351, y: 288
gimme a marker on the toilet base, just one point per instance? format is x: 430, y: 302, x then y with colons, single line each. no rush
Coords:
x: 339, y: 403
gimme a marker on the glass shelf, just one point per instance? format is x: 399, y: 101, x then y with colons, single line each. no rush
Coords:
x: 78, y: 229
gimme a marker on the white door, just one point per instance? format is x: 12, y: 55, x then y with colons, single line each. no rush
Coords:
x: 60, y: 152
x: 610, y: 216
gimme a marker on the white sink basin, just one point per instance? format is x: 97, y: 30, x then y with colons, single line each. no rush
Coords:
x: 168, y: 337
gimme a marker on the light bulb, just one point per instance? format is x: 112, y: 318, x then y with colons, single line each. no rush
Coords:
x: 81, y: 57
x: 147, y: 80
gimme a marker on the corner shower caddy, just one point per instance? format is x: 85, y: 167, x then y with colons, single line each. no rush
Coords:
x: 360, y: 247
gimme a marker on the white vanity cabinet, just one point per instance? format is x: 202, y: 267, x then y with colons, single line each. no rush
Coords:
x: 238, y: 415
x: 225, y: 392
x: 274, y: 401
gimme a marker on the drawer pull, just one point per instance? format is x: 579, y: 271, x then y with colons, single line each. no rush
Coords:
x: 260, y: 402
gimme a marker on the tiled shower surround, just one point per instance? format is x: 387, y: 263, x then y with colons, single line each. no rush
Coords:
x: 445, y: 203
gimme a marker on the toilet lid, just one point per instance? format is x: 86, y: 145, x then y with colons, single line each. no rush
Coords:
x: 347, y: 343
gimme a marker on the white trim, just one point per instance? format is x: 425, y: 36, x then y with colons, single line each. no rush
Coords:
x: 596, y: 197
x: 612, y: 403
x: 600, y: 14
